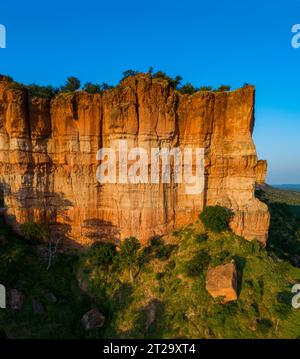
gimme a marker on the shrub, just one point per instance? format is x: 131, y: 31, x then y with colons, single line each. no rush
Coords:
x: 215, y: 218
x: 264, y: 325
x: 197, y: 264
x: 105, y: 87
x: 6, y: 78
x: 129, y: 257
x: 205, y: 88
x: 34, y: 231
x: 201, y: 237
x: 159, y: 249
x: 14, y: 85
x: 92, y: 88
x: 221, y: 258
x: 129, y: 248
x: 223, y: 88
x: 72, y: 84
x: 156, y: 241
x: 42, y: 91
x: 150, y: 71
x: 103, y: 254
x: 170, y: 266
x: 173, y: 82
x: 188, y: 88
x: 129, y: 73
x: 159, y: 275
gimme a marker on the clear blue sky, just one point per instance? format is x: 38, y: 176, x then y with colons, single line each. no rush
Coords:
x: 206, y: 42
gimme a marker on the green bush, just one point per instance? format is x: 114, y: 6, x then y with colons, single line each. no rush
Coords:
x: 14, y: 85
x: 264, y: 325
x: 201, y: 237
x: 105, y: 87
x: 34, y: 231
x: 173, y: 82
x: 188, y: 88
x: 130, y: 258
x: 215, y: 218
x: 6, y: 78
x: 223, y: 88
x: 92, y: 88
x: 197, y: 264
x: 205, y: 88
x: 103, y: 254
x: 221, y: 258
x: 41, y: 91
x: 159, y: 249
x: 129, y: 73
x: 72, y: 84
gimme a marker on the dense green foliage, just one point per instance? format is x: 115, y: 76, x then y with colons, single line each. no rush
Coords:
x: 23, y: 268
x: 72, y: 84
x: 188, y: 89
x: 129, y: 73
x: 158, y: 291
x: 205, y: 88
x: 159, y: 249
x: 215, y: 218
x: 92, y: 88
x: 195, y: 266
x: 223, y: 88
x: 284, y: 233
x: 34, y: 231
x: 42, y: 91
x: 102, y: 254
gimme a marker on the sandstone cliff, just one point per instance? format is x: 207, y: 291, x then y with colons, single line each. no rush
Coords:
x: 48, y: 159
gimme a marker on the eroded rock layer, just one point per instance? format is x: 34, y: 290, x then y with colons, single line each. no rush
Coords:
x: 48, y: 159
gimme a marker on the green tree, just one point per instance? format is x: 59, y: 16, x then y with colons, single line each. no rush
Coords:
x: 197, y: 264
x: 188, y: 88
x: 150, y: 71
x: 34, y: 231
x: 92, y: 88
x: 174, y: 82
x: 129, y: 256
x: 159, y: 249
x: 129, y: 73
x: 223, y: 88
x: 103, y: 254
x: 72, y: 84
x: 105, y: 87
x: 205, y: 88
x: 41, y: 91
x: 215, y: 218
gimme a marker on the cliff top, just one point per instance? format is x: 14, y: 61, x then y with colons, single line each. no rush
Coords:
x: 73, y: 86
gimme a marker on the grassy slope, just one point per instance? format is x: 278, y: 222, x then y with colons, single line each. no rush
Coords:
x: 181, y: 304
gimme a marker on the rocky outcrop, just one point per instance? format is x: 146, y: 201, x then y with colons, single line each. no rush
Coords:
x: 93, y: 319
x: 221, y: 281
x: 48, y: 159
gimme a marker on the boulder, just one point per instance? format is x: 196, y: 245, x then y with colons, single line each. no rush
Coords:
x: 16, y: 299
x: 221, y: 281
x: 93, y: 319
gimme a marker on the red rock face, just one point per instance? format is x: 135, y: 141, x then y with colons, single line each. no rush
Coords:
x: 48, y: 159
